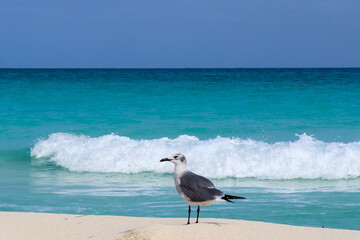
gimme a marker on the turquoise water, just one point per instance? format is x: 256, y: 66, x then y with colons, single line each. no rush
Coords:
x: 90, y: 141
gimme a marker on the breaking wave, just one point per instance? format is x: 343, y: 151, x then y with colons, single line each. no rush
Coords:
x: 306, y: 158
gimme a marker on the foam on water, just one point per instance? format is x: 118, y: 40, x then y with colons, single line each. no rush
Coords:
x: 220, y: 157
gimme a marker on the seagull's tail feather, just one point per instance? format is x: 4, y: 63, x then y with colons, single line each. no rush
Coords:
x: 227, y: 197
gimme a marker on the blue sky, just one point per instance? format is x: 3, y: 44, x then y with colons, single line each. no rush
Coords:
x: 168, y: 33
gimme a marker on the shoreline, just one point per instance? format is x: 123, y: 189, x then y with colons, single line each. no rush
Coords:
x: 26, y: 225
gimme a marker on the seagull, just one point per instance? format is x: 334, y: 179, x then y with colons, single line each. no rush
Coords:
x: 195, y: 189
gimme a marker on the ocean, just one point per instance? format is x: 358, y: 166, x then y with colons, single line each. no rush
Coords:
x: 89, y: 141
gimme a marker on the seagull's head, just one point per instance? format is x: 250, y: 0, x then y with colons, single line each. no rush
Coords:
x: 176, y: 159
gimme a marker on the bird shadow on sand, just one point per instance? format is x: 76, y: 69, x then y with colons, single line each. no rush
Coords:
x: 212, y: 223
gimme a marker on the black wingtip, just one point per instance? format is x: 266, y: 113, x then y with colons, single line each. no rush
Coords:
x: 227, y: 197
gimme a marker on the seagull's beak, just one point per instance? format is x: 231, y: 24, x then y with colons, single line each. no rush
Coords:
x: 165, y: 160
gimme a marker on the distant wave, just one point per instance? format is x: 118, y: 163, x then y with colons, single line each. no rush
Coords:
x: 306, y: 158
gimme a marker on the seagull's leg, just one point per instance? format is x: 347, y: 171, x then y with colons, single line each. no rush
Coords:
x: 198, y: 211
x: 189, y: 215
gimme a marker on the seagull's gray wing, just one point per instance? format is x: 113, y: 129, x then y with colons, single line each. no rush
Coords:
x: 198, y: 188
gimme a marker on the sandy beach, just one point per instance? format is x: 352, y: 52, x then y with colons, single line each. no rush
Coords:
x: 17, y: 226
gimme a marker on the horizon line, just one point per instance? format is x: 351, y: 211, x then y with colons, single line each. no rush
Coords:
x: 163, y: 68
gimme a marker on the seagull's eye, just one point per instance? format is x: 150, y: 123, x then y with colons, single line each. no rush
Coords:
x: 175, y: 157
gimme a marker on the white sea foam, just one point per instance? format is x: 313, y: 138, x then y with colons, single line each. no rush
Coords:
x: 306, y: 158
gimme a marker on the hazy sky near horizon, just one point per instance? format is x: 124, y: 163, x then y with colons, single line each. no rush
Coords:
x: 168, y: 33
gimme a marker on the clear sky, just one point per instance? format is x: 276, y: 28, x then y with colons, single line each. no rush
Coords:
x: 182, y: 33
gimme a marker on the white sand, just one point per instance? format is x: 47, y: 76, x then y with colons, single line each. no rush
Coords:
x: 38, y: 226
